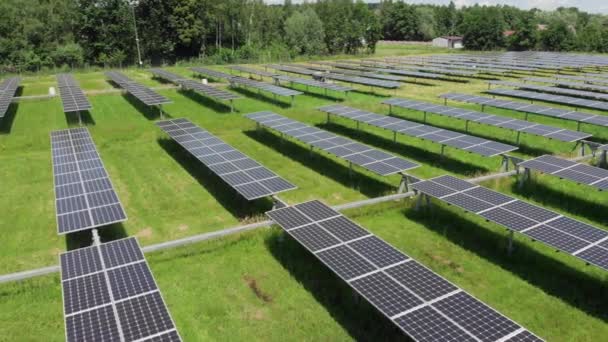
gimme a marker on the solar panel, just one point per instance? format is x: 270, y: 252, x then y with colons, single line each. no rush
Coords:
x: 555, y: 230
x: 146, y: 95
x: 311, y: 83
x: 582, y: 85
x: 587, y: 79
x: 424, y: 305
x: 113, y: 302
x: 250, y: 179
x: 565, y: 100
x: 211, y: 73
x: 566, y: 114
x: 554, y: 90
x: 437, y: 70
x: 460, y: 141
x: 241, y: 81
x: 349, y: 69
x: 7, y: 91
x: 84, y: 195
x: 198, y: 87
x: 369, y: 158
x: 580, y: 173
x: 363, y: 80
x: 291, y: 69
x: 252, y: 71
x: 492, y: 120
x: 72, y: 97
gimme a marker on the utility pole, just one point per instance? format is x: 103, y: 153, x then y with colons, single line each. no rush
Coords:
x: 136, y: 34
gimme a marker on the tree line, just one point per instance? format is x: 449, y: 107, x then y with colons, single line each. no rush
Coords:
x: 39, y: 34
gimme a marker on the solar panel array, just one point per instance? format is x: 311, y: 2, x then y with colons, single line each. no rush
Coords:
x: 566, y: 100
x: 369, y: 158
x: 585, y: 79
x: 292, y: 69
x: 84, y: 195
x: 312, y: 83
x: 252, y: 71
x: 437, y: 70
x: 242, y: 81
x: 363, y: 80
x: 146, y: 95
x: 460, y: 141
x: 198, y: 87
x: 369, y: 75
x: 492, y: 120
x: 243, y: 174
x: 566, y: 114
x: 72, y: 96
x: 582, y: 85
x: 554, y: 90
x: 7, y: 91
x: 212, y: 73
x: 407, y: 73
x: 424, y: 305
x: 109, y: 294
x: 563, y: 233
x: 580, y: 173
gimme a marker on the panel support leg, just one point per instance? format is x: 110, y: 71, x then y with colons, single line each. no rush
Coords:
x: 442, y: 152
x: 524, y: 177
x: 510, y: 243
x: 277, y: 203
x: 404, y: 184
x: 96, y: 239
x: 466, y: 126
x: 79, y: 119
x: 578, y: 126
x: 424, y: 120
x: 603, y: 158
x: 390, y: 109
x: 518, y: 137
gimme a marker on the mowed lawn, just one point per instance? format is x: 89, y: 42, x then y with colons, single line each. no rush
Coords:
x: 261, y: 284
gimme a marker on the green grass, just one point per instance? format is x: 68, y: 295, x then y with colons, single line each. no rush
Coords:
x: 168, y: 195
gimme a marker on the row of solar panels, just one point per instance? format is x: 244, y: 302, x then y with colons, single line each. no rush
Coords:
x: 198, y: 87
x: 146, y: 95
x: 553, y: 90
x: 8, y: 88
x: 72, y: 96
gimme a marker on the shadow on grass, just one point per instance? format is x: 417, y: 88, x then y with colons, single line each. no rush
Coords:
x: 554, y: 277
x: 264, y: 97
x: 360, y: 319
x: 238, y: 206
x: 85, y: 238
x: 149, y: 112
x: 522, y: 146
x: 6, y: 123
x: 72, y: 118
x: 541, y: 193
x: 318, y: 161
x: 217, y: 106
x: 408, y: 151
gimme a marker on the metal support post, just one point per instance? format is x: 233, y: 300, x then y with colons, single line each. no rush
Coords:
x: 96, y: 239
x: 424, y: 117
x: 442, y: 152
x: 466, y: 126
x: 277, y: 203
x: 394, y: 136
x: 524, y: 177
x: 518, y: 137
x: 390, y: 109
x: 79, y: 119
x: 404, y: 184
x: 510, y: 244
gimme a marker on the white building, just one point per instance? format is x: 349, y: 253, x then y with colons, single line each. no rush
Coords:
x: 451, y: 42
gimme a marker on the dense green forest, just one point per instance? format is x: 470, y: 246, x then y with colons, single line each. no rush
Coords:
x: 41, y: 34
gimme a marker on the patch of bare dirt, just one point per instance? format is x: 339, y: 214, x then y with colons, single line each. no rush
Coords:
x: 448, y: 263
x: 253, y: 285
x: 183, y: 227
x: 145, y: 233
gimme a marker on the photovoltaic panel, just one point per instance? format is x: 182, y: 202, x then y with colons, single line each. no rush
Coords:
x: 245, y: 82
x: 580, y: 173
x: 252, y: 71
x: 312, y: 83
x: 211, y: 73
x: 292, y: 69
x: 355, y: 71
x: 7, y: 92
x: 460, y: 141
x: 540, y: 224
x: 115, y: 301
x: 363, y: 80
x: 198, y: 87
x: 242, y: 173
x: 568, y: 84
x: 146, y: 95
x: 566, y: 114
x: 369, y: 158
x: 424, y: 305
x: 84, y: 195
x: 492, y: 120
x: 553, y: 90
x: 72, y: 96
x: 564, y: 100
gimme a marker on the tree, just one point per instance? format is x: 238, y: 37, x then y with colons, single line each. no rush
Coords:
x: 558, y: 37
x: 69, y: 54
x: 482, y: 28
x: 526, y: 35
x: 304, y: 32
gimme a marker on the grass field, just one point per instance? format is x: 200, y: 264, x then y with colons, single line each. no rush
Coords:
x: 259, y: 285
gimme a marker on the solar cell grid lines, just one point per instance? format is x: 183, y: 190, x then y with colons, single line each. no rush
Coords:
x: 252, y: 71
x: 565, y: 100
x: 7, y: 92
x: 562, y: 168
x: 555, y: 230
x: 250, y: 179
x: 363, y: 80
x: 116, y: 299
x: 566, y: 114
x: 72, y: 97
x: 144, y: 94
x: 369, y: 158
x: 417, y: 300
x: 444, y: 137
x: 84, y: 195
x: 492, y: 120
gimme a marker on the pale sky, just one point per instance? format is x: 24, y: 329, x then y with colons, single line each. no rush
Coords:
x: 592, y: 6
